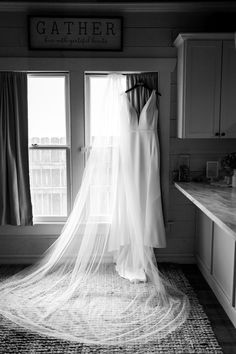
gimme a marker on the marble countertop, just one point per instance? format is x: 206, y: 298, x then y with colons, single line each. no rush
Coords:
x: 219, y: 203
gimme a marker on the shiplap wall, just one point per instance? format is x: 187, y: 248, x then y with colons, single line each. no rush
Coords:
x: 181, y: 211
x: 145, y: 35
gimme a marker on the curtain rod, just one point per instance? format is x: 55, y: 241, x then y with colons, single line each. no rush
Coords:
x: 110, y: 72
x: 34, y: 71
x: 86, y: 73
x: 118, y: 72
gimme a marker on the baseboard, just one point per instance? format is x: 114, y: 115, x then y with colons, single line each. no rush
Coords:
x: 204, y: 270
x: 167, y: 257
x: 181, y: 258
x: 19, y: 259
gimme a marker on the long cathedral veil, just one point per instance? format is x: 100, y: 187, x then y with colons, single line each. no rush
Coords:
x: 74, y: 292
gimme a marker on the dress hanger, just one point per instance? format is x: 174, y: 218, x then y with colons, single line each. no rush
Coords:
x: 142, y: 84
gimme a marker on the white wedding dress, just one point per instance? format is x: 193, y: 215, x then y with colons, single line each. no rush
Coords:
x: 137, y: 220
x: 72, y: 293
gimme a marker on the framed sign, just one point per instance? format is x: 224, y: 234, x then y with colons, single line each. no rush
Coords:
x: 75, y: 33
x: 212, y: 169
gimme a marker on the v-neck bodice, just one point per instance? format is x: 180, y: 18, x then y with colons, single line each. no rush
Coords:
x: 147, y: 120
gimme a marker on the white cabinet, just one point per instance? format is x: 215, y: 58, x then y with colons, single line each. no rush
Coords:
x: 223, y: 261
x: 206, y: 79
x: 204, y: 229
x: 216, y: 258
x: 228, y: 90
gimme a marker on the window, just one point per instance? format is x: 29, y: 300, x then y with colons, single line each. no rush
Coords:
x: 95, y: 93
x: 49, y: 145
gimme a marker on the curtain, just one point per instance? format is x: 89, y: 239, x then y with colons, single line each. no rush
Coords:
x: 15, y: 201
x: 138, y: 98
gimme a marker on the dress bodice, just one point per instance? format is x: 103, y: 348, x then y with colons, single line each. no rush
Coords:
x: 147, y: 120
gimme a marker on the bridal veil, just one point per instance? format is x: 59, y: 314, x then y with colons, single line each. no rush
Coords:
x: 74, y: 292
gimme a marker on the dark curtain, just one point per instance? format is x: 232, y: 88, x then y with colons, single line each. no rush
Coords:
x: 15, y: 201
x: 138, y: 98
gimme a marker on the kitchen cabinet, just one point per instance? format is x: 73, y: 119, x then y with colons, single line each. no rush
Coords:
x: 228, y: 90
x: 215, y: 239
x: 206, y: 85
x: 216, y: 259
x: 204, y: 226
x: 223, y: 252
x: 215, y: 252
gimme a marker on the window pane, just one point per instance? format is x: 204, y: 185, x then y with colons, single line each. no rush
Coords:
x: 55, y: 155
x: 56, y: 204
x: 46, y: 177
x: 99, y: 205
x: 98, y: 86
x: 46, y: 110
x: 48, y: 182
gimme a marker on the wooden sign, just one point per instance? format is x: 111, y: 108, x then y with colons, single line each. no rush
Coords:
x: 75, y: 33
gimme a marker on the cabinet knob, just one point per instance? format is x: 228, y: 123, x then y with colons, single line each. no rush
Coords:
x: 222, y: 134
x: 217, y: 134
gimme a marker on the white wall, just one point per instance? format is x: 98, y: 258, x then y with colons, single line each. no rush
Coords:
x: 145, y: 35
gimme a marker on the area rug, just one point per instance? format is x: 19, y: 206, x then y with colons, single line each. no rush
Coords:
x: 195, y: 336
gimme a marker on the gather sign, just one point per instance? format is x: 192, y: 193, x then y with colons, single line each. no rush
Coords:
x: 83, y: 33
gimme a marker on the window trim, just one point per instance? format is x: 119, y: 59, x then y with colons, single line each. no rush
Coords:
x: 66, y: 147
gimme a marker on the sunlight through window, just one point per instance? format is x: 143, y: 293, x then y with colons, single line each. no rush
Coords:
x: 47, y: 144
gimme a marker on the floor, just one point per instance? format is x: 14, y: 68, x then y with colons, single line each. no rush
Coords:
x: 222, y: 326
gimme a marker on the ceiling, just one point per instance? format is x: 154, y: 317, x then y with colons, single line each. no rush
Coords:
x: 124, y: 6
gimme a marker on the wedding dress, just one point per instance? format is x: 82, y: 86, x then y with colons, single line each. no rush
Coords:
x: 138, y: 220
x: 74, y: 293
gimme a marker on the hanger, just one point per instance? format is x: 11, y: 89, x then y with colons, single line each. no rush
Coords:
x: 142, y: 84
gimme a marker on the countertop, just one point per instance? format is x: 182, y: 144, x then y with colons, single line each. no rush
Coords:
x: 219, y: 203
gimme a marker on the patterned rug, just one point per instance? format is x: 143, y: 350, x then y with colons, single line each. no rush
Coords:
x: 195, y: 336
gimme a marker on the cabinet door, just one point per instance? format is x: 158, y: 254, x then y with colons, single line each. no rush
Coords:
x: 223, y: 261
x: 204, y: 240
x: 202, y: 88
x: 228, y: 96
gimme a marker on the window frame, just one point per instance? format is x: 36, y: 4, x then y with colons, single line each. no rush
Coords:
x: 66, y: 147
x: 41, y: 235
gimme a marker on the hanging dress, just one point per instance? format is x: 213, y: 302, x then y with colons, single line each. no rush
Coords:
x: 138, y: 219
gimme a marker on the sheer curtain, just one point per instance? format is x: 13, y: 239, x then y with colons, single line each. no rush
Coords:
x: 15, y: 201
x: 72, y: 293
